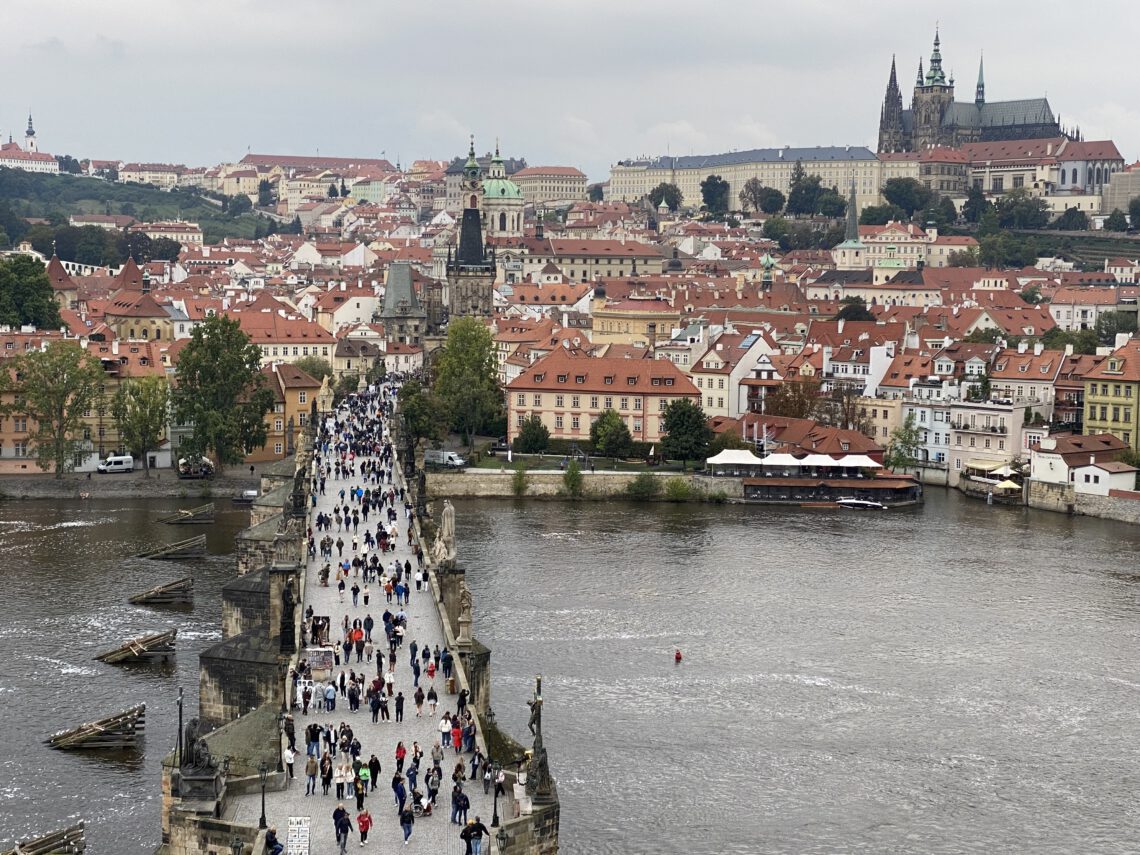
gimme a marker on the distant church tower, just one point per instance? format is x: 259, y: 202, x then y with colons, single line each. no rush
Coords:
x: 932, y: 99
x: 30, y: 136
x: 470, y: 273
x: 891, y: 136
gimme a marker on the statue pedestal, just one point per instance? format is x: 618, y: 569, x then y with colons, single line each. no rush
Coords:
x: 464, y: 639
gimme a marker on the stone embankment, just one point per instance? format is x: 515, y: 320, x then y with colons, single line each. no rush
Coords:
x: 541, y: 483
x: 1119, y: 505
x: 128, y: 485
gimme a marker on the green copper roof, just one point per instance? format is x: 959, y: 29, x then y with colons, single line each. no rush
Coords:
x: 501, y: 188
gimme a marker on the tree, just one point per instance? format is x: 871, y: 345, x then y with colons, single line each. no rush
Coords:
x: 348, y: 383
x: 610, y: 436
x: 988, y: 335
x: 715, y: 194
x: 314, y: 366
x: 795, y: 398
x: 686, y: 431
x: 1031, y: 295
x: 724, y: 441
x: 1083, y: 341
x: 803, y: 194
x: 141, y: 408
x: 264, y: 193
x: 533, y: 437
x: 880, y: 215
x: 1073, y: 220
x: 828, y: 203
x: 295, y: 227
x: 948, y: 210
x: 1018, y: 209
x: 910, y: 194
x: 670, y: 193
x: 377, y: 373
x: 165, y: 249
x: 963, y: 258
x: 68, y: 164
x: 596, y: 193
x: 138, y: 246
x: 333, y: 193
x: 845, y: 408
x: 1133, y: 214
x: 343, y: 189
x: 221, y: 391
x: 1116, y: 221
x: 239, y: 205
x: 425, y: 415
x: 776, y: 228
x: 904, y: 446
x: 26, y: 296
x: 754, y: 195
x: 466, y: 377
x: 1111, y: 323
x: 54, y: 387
x: 572, y: 479
x: 854, y: 309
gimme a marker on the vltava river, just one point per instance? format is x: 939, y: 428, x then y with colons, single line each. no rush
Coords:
x: 956, y: 678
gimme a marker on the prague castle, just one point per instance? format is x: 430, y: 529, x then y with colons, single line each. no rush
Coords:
x: 936, y: 119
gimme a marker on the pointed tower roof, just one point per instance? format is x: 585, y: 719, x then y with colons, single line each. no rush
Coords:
x: 851, y: 231
x: 400, y: 300
x: 59, y: 278
x: 129, y: 277
x: 980, y: 92
x: 935, y: 75
x: 472, y: 165
x: 31, y: 132
x: 919, y: 80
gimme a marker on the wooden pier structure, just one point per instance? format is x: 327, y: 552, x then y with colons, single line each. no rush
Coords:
x: 191, y: 547
x: 176, y: 593
x: 114, y: 733
x: 68, y: 841
x: 147, y: 648
x: 190, y: 516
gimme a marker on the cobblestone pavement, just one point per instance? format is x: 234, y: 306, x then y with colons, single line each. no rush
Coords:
x: 434, y: 834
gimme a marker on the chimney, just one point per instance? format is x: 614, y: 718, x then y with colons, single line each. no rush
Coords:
x: 1038, y: 347
x: 1068, y: 350
x: 1022, y: 346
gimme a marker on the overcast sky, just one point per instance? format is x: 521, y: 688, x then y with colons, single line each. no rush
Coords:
x: 574, y: 82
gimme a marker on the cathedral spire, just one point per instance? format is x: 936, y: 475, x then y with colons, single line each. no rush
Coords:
x: 935, y: 75
x: 919, y: 80
x: 851, y: 233
x: 980, y: 92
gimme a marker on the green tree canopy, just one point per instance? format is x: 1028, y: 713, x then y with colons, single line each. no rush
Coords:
x: 686, y: 431
x: 795, y: 398
x: 314, y: 366
x: 26, y: 296
x: 828, y: 203
x: 1019, y: 209
x: 1111, y: 323
x: 1133, y: 213
x: 141, y: 410
x: 1116, y: 221
x: 596, y: 193
x: 425, y: 415
x: 756, y: 196
x: 715, y: 194
x: 905, y: 444
x: 975, y: 206
x: 264, y: 193
x: 724, y: 441
x: 776, y: 228
x: 910, y: 194
x: 610, y: 436
x: 669, y: 193
x: 854, y: 309
x: 466, y: 377
x: 1083, y: 341
x: 221, y: 391
x: 239, y: 205
x: 533, y: 437
x: 803, y: 192
x: 54, y: 387
x: 880, y: 215
x: 1073, y: 220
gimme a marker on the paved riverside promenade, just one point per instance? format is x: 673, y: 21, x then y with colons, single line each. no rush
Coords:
x: 433, y: 834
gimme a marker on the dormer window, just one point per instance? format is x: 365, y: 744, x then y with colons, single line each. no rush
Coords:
x: 609, y: 380
x: 579, y: 378
x: 631, y: 381
x: 538, y: 378
x: 561, y: 378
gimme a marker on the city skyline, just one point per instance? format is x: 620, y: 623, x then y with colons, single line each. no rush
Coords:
x: 583, y: 86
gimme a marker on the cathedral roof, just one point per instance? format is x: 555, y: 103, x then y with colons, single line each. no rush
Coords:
x: 1027, y: 111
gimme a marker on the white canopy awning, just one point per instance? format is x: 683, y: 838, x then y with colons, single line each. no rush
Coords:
x: 818, y: 460
x: 858, y: 461
x: 1003, y: 471
x: 778, y: 459
x: 735, y: 457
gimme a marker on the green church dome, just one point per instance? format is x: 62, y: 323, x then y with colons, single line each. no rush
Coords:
x: 501, y: 188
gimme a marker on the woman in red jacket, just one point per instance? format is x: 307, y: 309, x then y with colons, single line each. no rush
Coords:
x: 401, y: 753
x: 363, y: 823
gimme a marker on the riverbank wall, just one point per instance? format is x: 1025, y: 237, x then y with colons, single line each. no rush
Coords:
x: 542, y: 483
x: 162, y: 484
x: 1118, y: 505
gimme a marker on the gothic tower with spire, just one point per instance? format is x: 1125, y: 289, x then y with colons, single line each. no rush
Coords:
x: 932, y: 100
x: 891, y: 132
x: 471, y: 272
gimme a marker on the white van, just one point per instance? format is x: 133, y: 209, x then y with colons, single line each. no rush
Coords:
x: 117, y: 463
x: 450, y: 459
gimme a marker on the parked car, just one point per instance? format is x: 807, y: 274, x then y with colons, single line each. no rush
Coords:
x: 117, y: 463
x: 438, y: 457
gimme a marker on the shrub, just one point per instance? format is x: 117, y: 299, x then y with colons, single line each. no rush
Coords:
x: 678, y: 490
x: 519, y: 480
x: 572, y: 479
x: 644, y: 487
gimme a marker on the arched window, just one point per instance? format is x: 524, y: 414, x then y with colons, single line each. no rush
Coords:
x: 1063, y: 175
x: 474, y: 201
x: 1074, y: 175
x: 144, y: 332
x: 502, y: 222
x: 1098, y: 175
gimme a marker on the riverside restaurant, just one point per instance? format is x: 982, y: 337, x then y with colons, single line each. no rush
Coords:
x: 815, y: 479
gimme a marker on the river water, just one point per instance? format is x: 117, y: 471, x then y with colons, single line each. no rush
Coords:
x: 954, y: 678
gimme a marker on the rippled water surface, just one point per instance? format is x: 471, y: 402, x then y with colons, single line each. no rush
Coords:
x: 957, y: 678
x: 951, y: 679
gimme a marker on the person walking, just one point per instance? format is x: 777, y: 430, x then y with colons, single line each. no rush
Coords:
x: 399, y: 791
x: 400, y: 706
x: 432, y: 699
x: 288, y: 755
x: 401, y: 753
x: 407, y: 820
x: 418, y: 697
x: 326, y: 774
x: 373, y: 770
x: 364, y: 825
x: 360, y: 785
x: 311, y: 769
x: 477, y: 832
x: 339, y: 777
x: 343, y: 829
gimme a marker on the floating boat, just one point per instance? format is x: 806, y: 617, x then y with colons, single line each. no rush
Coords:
x: 245, y: 497
x: 860, y: 504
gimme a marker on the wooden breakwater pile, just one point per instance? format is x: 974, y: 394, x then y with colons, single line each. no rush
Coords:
x: 159, y: 645
x: 191, y: 547
x: 114, y: 733
x: 178, y: 592
x: 190, y: 516
x: 65, y: 842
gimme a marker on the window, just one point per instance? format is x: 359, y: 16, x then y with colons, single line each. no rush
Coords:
x: 574, y: 423
x: 278, y: 424
x: 302, y: 397
x: 558, y: 422
x: 561, y: 378
x: 519, y: 419
x: 637, y: 403
x: 278, y: 448
x: 537, y: 399
x: 609, y: 404
x: 957, y: 462
x: 720, y: 403
x: 661, y: 404
x: 610, y: 380
x: 558, y: 400
x: 593, y: 402
x: 1018, y: 181
x: 20, y: 424
x: 521, y: 399
x: 631, y: 381
x: 624, y: 403
x: 637, y: 425
x: 708, y: 402
x: 20, y: 448
x: 998, y: 184
x: 575, y: 401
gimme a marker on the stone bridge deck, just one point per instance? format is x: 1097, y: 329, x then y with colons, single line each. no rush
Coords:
x: 435, y: 834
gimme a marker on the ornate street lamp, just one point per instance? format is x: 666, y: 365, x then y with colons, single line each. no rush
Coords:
x: 496, y: 768
x: 263, y: 773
